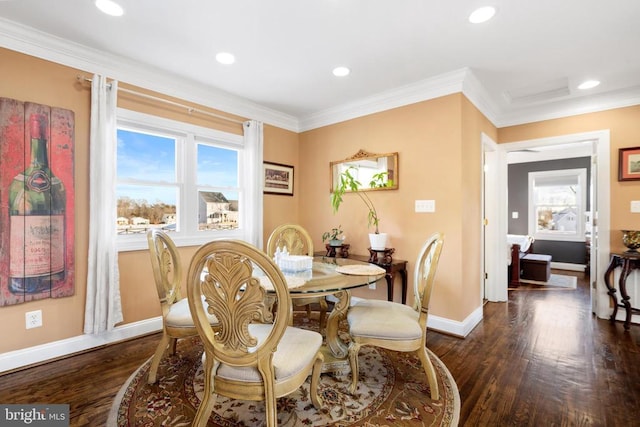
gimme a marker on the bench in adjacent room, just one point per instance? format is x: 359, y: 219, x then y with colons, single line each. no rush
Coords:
x: 536, y: 267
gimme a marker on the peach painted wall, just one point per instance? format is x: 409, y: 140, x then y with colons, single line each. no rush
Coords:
x: 30, y: 79
x: 283, y: 148
x: 624, y: 127
x: 438, y: 159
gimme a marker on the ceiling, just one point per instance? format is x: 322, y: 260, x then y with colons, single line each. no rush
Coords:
x: 523, y: 65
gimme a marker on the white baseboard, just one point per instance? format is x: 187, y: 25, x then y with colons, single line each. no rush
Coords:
x: 459, y: 329
x: 53, y: 350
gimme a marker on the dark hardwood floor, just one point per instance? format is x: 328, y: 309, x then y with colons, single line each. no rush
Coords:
x: 540, y: 360
x: 543, y: 359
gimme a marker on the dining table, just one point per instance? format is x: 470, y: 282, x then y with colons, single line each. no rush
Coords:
x: 337, y: 277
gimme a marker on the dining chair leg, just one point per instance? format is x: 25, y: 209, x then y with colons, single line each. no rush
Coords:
x: 208, y: 398
x: 354, y: 349
x: 173, y: 345
x: 430, y: 372
x: 270, y: 402
x: 157, y: 356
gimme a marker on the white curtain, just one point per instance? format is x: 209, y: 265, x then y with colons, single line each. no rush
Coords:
x: 253, y: 142
x: 103, y: 309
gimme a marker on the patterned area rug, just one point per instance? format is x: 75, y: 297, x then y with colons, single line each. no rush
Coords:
x: 393, y: 390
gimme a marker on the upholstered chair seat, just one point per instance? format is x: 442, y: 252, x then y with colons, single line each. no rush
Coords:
x: 179, y: 316
x: 296, y: 349
x: 383, y: 319
x: 394, y: 326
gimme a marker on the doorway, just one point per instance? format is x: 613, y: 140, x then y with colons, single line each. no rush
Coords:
x: 496, y: 211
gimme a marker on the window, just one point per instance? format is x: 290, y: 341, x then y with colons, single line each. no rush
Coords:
x: 557, y: 204
x: 184, y: 179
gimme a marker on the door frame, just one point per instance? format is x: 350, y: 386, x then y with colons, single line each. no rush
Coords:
x: 497, y: 290
x: 491, y: 218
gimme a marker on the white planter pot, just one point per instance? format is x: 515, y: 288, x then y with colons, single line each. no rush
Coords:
x: 378, y: 241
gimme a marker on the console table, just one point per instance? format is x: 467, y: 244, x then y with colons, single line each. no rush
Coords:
x: 629, y: 261
x: 396, y: 266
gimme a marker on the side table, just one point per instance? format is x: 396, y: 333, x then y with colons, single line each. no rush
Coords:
x: 396, y: 266
x: 629, y: 261
x: 342, y: 251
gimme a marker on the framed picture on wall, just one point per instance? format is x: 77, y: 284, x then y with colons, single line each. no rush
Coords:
x: 278, y: 179
x: 629, y: 166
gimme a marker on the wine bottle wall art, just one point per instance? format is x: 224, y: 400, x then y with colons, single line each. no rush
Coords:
x: 36, y: 202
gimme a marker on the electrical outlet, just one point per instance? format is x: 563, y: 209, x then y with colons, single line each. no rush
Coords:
x: 33, y: 319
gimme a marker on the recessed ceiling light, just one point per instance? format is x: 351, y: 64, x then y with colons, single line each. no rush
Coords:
x: 109, y: 7
x: 482, y: 14
x: 589, y: 84
x: 225, y: 58
x: 341, y: 71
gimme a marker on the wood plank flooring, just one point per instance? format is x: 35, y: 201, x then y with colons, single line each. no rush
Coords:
x: 544, y: 360
x: 540, y: 360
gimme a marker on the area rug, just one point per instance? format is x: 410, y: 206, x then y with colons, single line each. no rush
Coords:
x: 556, y: 280
x: 393, y: 390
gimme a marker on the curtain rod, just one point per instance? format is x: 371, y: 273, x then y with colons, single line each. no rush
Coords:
x: 166, y: 101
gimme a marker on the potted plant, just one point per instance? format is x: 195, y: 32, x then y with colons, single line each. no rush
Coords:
x: 334, y: 237
x: 348, y: 182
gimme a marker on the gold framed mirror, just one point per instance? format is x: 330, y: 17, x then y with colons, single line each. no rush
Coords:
x: 366, y: 166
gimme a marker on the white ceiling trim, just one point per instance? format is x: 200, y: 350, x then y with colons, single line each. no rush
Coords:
x: 42, y: 45
x: 444, y: 84
x: 567, y: 108
x: 478, y: 96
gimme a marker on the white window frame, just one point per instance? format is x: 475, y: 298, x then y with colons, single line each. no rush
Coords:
x: 188, y: 137
x: 581, y: 197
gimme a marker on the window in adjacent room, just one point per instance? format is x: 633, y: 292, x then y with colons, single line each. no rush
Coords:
x: 557, y: 204
x: 182, y: 178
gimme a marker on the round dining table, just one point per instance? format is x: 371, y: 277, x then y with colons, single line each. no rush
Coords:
x: 333, y: 276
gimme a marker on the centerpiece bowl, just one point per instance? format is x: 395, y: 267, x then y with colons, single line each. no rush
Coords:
x: 631, y: 239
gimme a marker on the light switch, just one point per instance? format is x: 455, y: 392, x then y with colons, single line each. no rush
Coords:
x: 425, y: 206
x: 635, y: 206
x: 514, y: 215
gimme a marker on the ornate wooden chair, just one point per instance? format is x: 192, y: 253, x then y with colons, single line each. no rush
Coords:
x: 176, y: 318
x: 254, y: 355
x: 298, y: 242
x: 396, y: 326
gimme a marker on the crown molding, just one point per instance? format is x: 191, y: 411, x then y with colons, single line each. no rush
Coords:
x: 476, y: 93
x: 441, y: 85
x: 570, y: 107
x: 36, y: 43
x: 465, y: 81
